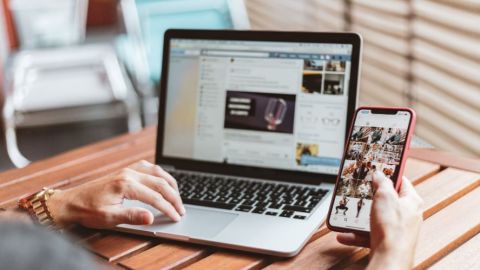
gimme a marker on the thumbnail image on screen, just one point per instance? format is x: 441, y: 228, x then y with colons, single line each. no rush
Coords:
x: 370, y: 149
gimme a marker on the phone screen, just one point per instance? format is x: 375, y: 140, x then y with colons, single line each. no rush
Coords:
x: 376, y: 143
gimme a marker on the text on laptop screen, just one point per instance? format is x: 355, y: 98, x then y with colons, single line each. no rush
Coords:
x: 280, y: 105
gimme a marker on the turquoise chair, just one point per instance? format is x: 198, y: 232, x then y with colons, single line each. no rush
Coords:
x: 147, y: 20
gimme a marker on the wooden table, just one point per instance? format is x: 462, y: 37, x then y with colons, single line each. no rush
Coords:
x: 449, y: 237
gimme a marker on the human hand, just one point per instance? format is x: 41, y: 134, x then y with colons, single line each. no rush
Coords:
x: 395, y: 222
x: 98, y: 204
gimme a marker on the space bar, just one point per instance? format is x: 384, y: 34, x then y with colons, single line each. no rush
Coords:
x: 209, y: 204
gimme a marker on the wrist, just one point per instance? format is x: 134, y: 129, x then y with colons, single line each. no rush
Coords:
x: 58, y: 205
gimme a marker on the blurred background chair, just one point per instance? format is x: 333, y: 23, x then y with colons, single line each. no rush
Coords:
x: 45, y: 23
x: 55, y: 78
x: 67, y: 85
x: 146, y: 21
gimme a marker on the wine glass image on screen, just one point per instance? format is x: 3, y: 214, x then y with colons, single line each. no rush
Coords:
x: 275, y: 112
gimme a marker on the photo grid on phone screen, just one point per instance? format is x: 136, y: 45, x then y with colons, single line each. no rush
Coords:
x: 370, y: 149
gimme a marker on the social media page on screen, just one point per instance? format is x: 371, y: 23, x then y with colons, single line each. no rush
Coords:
x: 376, y: 144
x: 267, y: 104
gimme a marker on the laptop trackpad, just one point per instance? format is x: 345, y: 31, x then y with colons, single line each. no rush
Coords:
x: 196, y: 223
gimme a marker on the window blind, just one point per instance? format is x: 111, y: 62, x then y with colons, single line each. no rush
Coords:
x: 423, y: 54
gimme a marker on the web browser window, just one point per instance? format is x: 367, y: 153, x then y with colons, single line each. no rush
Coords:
x: 267, y: 104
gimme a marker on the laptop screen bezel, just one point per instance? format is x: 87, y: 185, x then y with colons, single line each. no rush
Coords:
x: 243, y: 170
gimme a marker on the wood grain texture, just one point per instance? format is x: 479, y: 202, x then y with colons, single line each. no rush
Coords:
x: 418, y: 170
x: 322, y: 253
x: 165, y: 256
x: 446, y: 159
x: 62, y: 161
x: 448, y: 229
x: 446, y: 187
x: 76, y: 172
x: 113, y: 246
x: 464, y: 257
x: 229, y: 261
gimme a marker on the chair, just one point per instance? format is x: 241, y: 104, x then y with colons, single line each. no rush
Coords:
x: 64, y: 85
x: 146, y: 22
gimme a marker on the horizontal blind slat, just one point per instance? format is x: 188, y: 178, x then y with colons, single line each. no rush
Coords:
x: 459, y: 19
x: 454, y: 42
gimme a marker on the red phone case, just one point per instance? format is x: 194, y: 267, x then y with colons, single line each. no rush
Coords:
x: 398, y: 181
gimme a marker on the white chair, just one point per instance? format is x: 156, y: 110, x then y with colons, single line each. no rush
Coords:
x: 65, y: 85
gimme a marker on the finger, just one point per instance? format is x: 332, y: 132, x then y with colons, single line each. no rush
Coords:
x: 158, y: 184
x: 132, y: 215
x: 407, y: 188
x: 351, y: 239
x: 137, y: 191
x: 155, y: 170
x: 161, y: 186
x: 408, y: 192
x: 381, y: 182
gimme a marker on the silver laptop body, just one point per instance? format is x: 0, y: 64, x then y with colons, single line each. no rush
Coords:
x: 252, y: 125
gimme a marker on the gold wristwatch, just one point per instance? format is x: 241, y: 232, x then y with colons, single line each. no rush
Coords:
x: 36, y: 206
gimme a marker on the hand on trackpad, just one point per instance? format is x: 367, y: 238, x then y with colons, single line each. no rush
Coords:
x: 199, y: 223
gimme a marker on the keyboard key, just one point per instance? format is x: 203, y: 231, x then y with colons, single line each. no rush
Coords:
x: 248, y: 202
x: 259, y: 210
x: 299, y: 217
x: 275, y: 206
x: 286, y: 214
x: 297, y: 208
x: 244, y: 208
x: 209, y: 204
x: 238, y: 194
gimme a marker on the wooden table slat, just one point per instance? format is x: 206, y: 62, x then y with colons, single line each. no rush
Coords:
x: 229, y: 261
x: 446, y: 187
x: 323, y: 253
x: 113, y: 246
x: 69, y: 158
x: 464, y: 257
x: 446, y: 159
x: 448, y: 229
x: 418, y: 170
x: 72, y: 174
x: 165, y: 256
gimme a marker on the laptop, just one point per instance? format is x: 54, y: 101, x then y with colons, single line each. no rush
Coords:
x: 252, y: 125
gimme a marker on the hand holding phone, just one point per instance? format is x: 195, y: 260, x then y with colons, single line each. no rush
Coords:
x: 378, y: 142
x: 395, y: 224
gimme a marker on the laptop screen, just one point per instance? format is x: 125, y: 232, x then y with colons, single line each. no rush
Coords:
x: 279, y: 105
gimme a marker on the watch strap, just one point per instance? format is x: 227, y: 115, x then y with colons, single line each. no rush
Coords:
x: 36, y: 206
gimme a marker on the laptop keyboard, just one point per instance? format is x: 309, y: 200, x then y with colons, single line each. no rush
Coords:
x: 264, y: 198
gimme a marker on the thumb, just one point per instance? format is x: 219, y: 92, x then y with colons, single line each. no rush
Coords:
x: 380, y: 180
x: 133, y: 216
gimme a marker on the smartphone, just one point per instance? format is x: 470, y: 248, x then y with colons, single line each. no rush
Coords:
x: 378, y: 140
